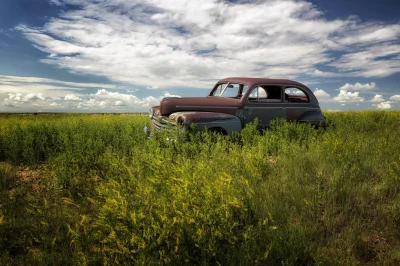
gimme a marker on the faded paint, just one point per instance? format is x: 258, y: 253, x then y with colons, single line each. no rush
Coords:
x: 232, y: 114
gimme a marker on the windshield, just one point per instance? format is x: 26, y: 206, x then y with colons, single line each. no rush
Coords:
x: 229, y: 90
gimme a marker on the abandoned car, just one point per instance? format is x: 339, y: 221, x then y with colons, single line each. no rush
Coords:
x: 234, y: 102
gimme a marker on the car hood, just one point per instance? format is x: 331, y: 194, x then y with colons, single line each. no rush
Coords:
x: 206, y: 104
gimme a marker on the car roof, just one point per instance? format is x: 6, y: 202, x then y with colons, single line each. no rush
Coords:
x: 254, y: 81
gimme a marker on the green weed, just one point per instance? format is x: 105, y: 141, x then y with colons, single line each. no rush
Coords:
x: 102, y: 193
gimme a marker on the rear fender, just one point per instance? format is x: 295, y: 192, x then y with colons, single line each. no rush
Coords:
x: 313, y: 117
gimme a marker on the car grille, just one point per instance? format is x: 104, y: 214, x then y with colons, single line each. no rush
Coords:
x: 157, y: 125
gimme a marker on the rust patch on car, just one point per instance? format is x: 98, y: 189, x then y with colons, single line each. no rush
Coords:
x: 234, y: 102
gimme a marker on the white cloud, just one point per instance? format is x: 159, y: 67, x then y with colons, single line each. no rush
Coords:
x: 358, y: 87
x: 33, y: 97
x: 24, y: 89
x: 395, y: 98
x: 320, y: 73
x: 322, y: 96
x: 16, y: 93
x: 383, y: 105
x: 71, y: 97
x: 163, y: 43
x: 9, y: 103
x: 56, y: 2
x: 92, y: 104
x: 373, y: 61
x: 19, y: 97
x: 15, y: 97
x: 167, y: 94
x: 371, y: 34
x: 343, y: 97
x: 348, y: 97
x: 104, y: 99
x: 21, y: 92
x: 24, y: 100
x: 377, y: 99
x: 23, y: 81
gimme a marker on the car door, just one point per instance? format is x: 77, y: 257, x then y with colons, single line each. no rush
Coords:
x: 264, y: 102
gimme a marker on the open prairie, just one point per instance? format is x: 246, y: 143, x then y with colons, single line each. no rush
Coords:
x: 89, y: 190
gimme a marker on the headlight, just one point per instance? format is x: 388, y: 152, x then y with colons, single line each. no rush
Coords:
x: 151, y: 113
x: 172, y: 117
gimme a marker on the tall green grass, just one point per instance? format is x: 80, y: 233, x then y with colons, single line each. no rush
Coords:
x: 99, y: 192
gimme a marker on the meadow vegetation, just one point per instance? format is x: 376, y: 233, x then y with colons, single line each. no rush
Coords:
x: 89, y: 190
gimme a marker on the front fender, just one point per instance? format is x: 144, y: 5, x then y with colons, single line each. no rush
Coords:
x: 210, y: 120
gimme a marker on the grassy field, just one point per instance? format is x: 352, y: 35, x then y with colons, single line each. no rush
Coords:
x: 89, y: 190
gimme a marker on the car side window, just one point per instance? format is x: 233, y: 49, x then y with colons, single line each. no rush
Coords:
x: 296, y: 95
x: 265, y: 93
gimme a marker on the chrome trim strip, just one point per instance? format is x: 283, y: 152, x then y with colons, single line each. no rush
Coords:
x: 161, y: 120
x: 215, y: 122
x: 208, y: 106
x: 312, y: 108
x: 278, y: 107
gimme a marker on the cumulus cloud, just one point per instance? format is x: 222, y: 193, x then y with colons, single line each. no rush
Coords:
x: 19, y: 99
x: 33, y: 88
x: 167, y: 94
x: 322, y: 96
x: 71, y: 97
x: 377, y: 99
x: 348, y: 97
x: 320, y: 73
x: 104, y: 99
x: 15, y: 97
x: 162, y: 43
x: 9, y: 103
x: 383, y: 105
x: 358, y: 87
x: 395, y: 98
x: 15, y: 92
x: 33, y: 97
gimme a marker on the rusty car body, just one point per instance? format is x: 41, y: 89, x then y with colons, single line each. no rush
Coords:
x: 234, y: 102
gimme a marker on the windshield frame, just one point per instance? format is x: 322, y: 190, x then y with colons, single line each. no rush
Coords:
x: 239, y: 94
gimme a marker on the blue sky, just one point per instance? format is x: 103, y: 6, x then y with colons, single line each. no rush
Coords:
x: 125, y: 55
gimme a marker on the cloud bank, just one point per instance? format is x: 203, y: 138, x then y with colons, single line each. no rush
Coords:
x: 102, y: 100
x: 191, y: 44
